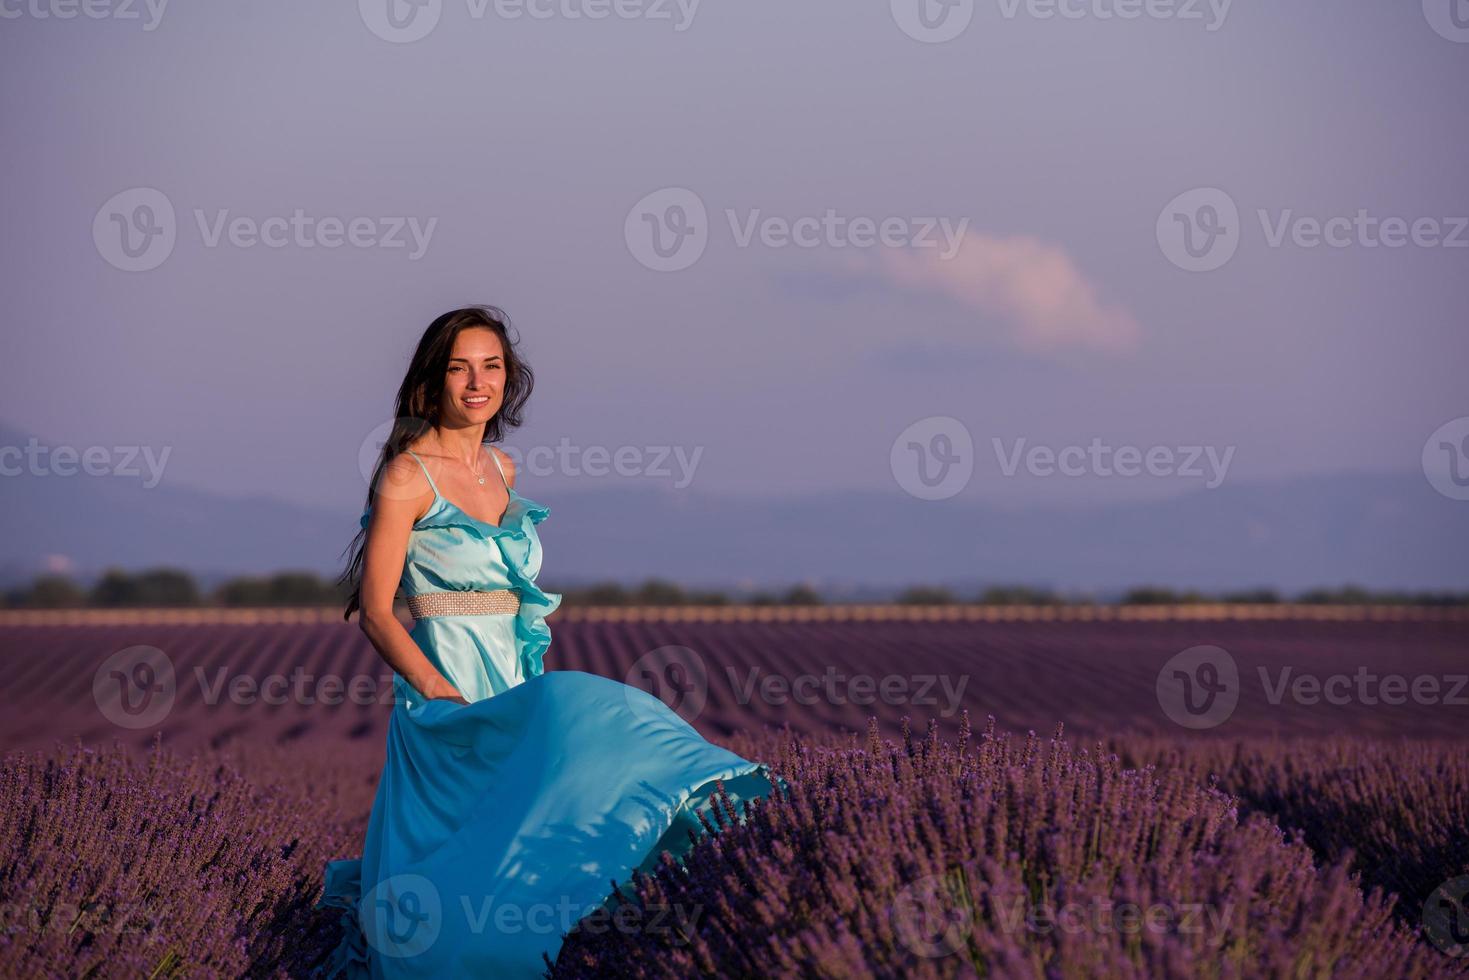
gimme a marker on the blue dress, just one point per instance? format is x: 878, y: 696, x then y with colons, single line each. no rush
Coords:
x: 498, y: 824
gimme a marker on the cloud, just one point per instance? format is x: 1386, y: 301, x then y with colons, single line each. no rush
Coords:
x: 1034, y: 286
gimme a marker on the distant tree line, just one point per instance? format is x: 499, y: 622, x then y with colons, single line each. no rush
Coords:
x: 1156, y: 595
x: 173, y: 587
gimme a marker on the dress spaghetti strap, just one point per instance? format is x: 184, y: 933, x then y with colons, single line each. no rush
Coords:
x: 496, y: 456
x: 432, y: 485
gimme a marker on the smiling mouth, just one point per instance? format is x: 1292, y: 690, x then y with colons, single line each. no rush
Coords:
x: 479, y: 401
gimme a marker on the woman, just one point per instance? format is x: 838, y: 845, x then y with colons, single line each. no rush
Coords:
x: 510, y: 798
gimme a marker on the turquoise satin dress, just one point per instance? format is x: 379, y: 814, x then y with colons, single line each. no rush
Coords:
x: 498, y: 824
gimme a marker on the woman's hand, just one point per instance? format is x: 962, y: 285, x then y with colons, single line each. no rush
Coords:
x: 439, y: 689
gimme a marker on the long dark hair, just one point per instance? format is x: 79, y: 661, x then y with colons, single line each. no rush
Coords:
x: 417, y: 408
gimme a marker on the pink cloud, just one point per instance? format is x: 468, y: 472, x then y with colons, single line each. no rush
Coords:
x: 1034, y: 286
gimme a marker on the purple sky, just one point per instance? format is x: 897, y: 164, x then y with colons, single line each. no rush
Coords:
x: 528, y: 142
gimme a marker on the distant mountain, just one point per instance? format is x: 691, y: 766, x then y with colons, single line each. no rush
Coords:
x: 1377, y: 531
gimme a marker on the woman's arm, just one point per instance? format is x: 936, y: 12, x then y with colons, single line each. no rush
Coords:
x: 403, y: 497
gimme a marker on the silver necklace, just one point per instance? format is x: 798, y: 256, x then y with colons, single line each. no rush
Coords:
x: 478, y: 474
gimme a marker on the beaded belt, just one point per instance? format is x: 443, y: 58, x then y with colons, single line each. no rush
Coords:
x: 498, y: 602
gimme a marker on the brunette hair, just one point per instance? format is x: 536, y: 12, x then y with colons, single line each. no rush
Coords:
x: 417, y: 407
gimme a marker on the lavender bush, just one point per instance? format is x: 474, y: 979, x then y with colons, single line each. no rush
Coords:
x: 1400, y: 808
x: 1024, y: 858
x: 112, y: 865
x: 991, y: 855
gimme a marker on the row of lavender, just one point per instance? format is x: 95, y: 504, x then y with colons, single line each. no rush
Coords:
x: 984, y: 854
x: 304, y: 683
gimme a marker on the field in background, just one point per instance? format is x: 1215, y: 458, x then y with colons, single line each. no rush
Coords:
x: 883, y: 841
x: 1098, y: 677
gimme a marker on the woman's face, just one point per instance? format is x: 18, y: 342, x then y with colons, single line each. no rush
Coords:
x: 474, y: 382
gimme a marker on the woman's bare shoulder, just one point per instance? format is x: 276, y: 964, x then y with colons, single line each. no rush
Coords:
x: 403, y: 480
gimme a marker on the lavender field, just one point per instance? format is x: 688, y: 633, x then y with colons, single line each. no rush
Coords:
x: 1315, y: 828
